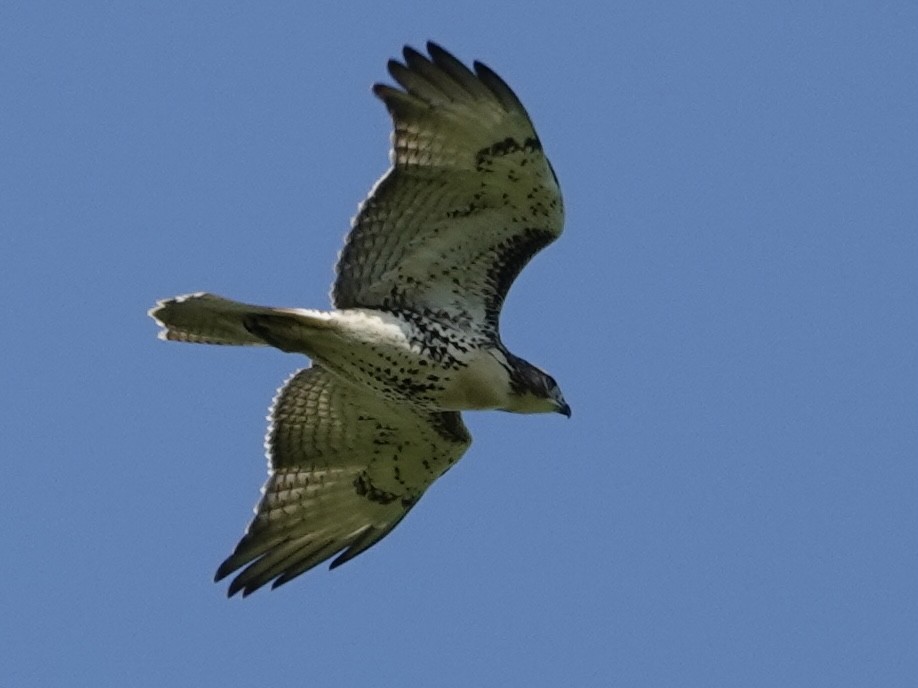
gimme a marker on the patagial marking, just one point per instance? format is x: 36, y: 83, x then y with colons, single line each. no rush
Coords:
x: 506, y: 147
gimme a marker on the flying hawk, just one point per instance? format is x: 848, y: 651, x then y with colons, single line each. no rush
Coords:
x: 413, y: 337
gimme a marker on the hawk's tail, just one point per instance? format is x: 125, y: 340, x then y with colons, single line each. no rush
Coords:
x: 209, y: 319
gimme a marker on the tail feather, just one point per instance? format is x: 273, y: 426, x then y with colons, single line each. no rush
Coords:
x: 210, y: 319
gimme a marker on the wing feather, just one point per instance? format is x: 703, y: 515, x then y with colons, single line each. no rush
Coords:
x: 345, y: 468
x: 457, y: 71
x: 469, y: 200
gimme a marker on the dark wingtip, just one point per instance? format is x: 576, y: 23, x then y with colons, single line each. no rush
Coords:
x: 226, y: 567
x: 392, y: 66
x: 340, y: 559
x: 409, y: 53
x: 439, y: 53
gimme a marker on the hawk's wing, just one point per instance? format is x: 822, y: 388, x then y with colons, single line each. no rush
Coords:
x: 470, y: 197
x: 345, y: 468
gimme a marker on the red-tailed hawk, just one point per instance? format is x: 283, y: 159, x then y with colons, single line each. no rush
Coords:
x: 413, y: 337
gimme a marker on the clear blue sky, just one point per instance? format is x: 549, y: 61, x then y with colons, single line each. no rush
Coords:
x: 732, y: 313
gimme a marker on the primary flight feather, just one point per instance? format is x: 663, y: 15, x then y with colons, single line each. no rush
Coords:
x: 413, y: 338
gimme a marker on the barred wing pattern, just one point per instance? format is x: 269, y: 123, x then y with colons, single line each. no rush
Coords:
x: 345, y: 468
x: 469, y: 200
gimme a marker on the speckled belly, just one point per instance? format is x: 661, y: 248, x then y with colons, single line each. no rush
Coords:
x: 394, y: 357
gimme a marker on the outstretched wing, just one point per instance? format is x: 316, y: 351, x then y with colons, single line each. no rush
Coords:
x: 345, y: 468
x: 470, y: 197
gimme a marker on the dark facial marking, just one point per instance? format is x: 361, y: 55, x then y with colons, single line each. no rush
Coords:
x: 525, y: 378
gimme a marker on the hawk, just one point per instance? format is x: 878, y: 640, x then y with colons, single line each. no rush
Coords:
x: 413, y: 337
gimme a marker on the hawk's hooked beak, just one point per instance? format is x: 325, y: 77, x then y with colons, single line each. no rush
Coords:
x: 564, y: 409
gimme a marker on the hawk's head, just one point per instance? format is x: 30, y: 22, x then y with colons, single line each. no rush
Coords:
x: 532, y: 390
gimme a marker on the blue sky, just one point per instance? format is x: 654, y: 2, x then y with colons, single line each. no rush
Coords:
x: 732, y: 312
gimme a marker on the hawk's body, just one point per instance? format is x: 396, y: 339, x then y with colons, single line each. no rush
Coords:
x: 414, y: 337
